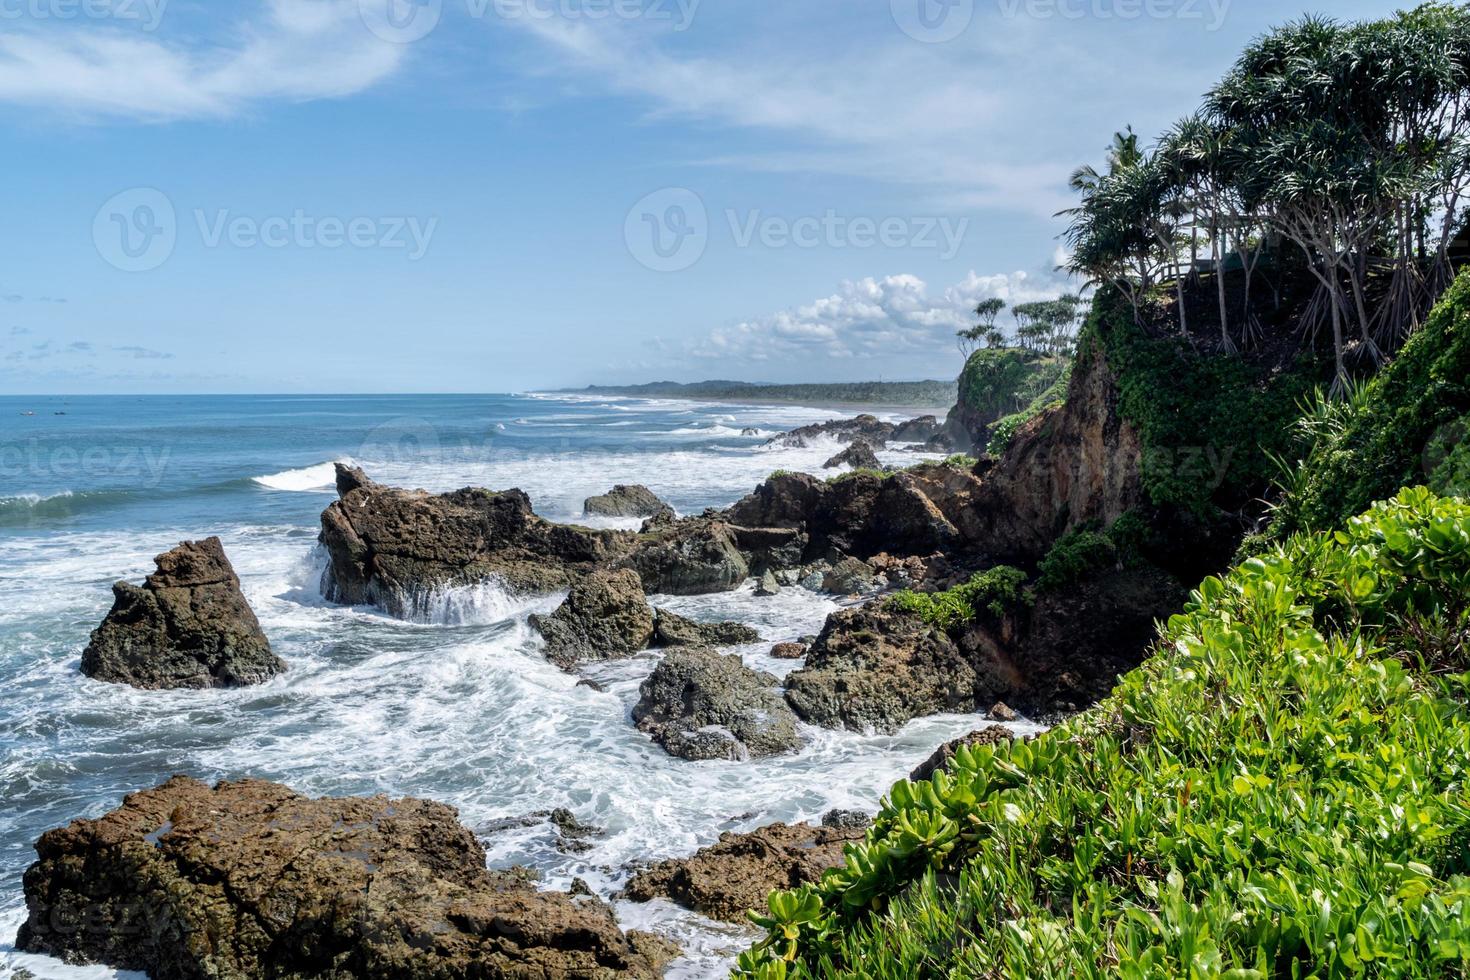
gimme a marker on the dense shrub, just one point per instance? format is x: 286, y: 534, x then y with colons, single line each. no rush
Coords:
x: 1002, y: 380
x: 1274, y: 794
x: 1075, y: 555
x: 1416, y: 400
x: 1003, y: 432
x: 995, y: 592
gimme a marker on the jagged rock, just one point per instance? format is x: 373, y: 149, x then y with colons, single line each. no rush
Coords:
x: 187, y: 626
x: 673, y: 630
x: 1000, y: 711
x: 866, y: 427
x: 788, y: 651
x: 848, y: 577
x: 627, y: 501
x: 921, y: 429
x: 1072, y: 465
x: 872, y: 668
x: 732, y: 877
x: 250, y: 879
x: 699, y: 704
x: 694, y: 556
x: 858, y: 455
x: 782, y: 500
x: 767, y: 585
x: 393, y: 548
x: 945, y: 753
x: 750, y: 431
x: 605, y: 615
x: 847, y: 819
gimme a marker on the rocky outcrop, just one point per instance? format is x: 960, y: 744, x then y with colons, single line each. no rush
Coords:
x: 944, y: 755
x: 1069, y: 466
x: 694, y: 556
x: 673, y: 630
x: 859, y: 455
x: 732, y: 877
x: 187, y: 626
x: 876, y: 667
x: 699, y: 704
x: 605, y: 615
x: 866, y: 427
x: 250, y: 879
x: 788, y: 651
x: 393, y: 548
x: 850, y: 576
x: 625, y: 500
x: 872, y: 668
x: 921, y: 429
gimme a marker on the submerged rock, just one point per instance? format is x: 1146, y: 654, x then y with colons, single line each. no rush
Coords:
x: 732, y: 877
x: 624, y: 500
x: 605, y: 615
x: 187, y: 626
x: 252, y: 880
x: 673, y: 630
x: 699, y: 705
x: 394, y: 548
x: 859, y: 455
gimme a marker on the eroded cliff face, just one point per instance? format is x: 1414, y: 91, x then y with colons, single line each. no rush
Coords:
x: 1070, y: 465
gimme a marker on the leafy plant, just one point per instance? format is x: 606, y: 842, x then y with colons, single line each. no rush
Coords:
x: 995, y: 591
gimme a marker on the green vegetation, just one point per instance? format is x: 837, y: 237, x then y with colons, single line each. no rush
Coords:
x: 1279, y: 792
x: 995, y: 591
x: 1342, y: 142
x: 1401, y: 427
x: 1076, y: 554
x: 1003, y: 432
x: 911, y: 394
x: 1209, y: 424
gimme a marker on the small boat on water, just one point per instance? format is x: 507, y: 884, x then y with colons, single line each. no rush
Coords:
x: 28, y: 413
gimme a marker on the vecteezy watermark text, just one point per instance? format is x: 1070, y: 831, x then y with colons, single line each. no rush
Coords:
x: 407, y: 21
x: 35, y: 459
x: 136, y: 231
x: 147, y: 14
x: 669, y: 230
x: 1211, y: 12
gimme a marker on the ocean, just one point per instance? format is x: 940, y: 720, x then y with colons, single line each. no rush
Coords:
x: 460, y: 707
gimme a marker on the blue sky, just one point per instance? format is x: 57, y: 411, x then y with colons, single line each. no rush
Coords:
x: 501, y: 195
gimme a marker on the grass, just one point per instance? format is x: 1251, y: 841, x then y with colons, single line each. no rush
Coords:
x: 1279, y: 792
x: 995, y: 591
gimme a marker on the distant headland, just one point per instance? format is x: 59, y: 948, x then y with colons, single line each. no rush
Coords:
x: 896, y: 394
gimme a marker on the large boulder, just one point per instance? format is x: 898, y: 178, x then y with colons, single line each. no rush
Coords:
x: 694, y: 556
x: 605, y: 615
x: 699, y: 704
x: 627, y: 500
x: 252, y: 880
x: 858, y: 455
x: 732, y: 877
x: 785, y: 500
x: 673, y: 630
x: 188, y: 625
x: 395, y: 548
x: 875, y: 668
x: 921, y: 429
x: 944, y: 755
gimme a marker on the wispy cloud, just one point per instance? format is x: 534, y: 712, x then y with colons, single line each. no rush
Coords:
x: 286, y: 49
x: 143, y: 353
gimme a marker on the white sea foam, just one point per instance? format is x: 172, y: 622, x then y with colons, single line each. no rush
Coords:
x: 321, y: 477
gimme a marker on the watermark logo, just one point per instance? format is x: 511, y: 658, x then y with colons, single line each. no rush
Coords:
x: 932, y: 21
x: 146, y: 14
x: 668, y: 230
x: 401, y: 21
x: 1212, y: 13
x: 135, y: 231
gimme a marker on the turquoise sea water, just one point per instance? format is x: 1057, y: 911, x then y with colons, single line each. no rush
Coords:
x: 461, y: 707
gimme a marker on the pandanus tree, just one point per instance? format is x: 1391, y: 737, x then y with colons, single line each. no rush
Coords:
x: 985, y: 312
x: 1350, y: 142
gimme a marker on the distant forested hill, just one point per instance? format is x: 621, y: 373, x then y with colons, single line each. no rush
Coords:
x: 918, y: 394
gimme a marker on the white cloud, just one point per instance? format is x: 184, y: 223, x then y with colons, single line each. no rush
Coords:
x: 872, y: 318
x: 290, y: 49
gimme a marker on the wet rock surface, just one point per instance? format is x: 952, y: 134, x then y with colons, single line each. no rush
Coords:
x: 875, y: 669
x: 187, y: 626
x: 250, y: 879
x: 732, y: 877
x: 699, y: 705
x: 673, y: 630
x: 605, y: 615
x: 393, y: 548
x: 693, y: 556
x: 858, y: 455
x: 627, y: 500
